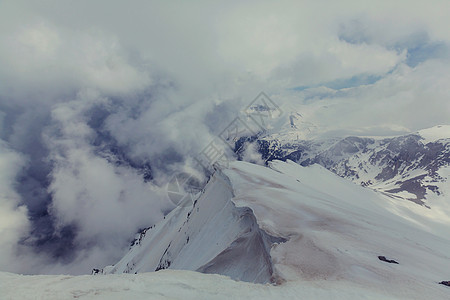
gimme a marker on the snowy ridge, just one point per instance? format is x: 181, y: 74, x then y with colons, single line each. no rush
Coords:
x: 290, y: 224
x: 210, y: 236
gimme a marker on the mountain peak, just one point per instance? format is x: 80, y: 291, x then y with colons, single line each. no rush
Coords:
x: 435, y: 133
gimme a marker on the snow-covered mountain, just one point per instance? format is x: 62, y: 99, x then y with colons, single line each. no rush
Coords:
x: 211, y: 236
x: 414, y: 167
x: 290, y: 224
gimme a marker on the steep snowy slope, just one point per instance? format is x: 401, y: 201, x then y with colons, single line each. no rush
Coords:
x: 290, y: 223
x: 210, y: 236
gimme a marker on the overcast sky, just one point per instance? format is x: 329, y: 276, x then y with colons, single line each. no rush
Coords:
x: 91, y: 92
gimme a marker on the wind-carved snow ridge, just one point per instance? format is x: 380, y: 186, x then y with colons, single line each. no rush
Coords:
x: 210, y: 236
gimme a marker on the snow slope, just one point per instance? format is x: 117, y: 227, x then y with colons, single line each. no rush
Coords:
x: 289, y: 223
x: 436, y: 133
x: 312, y: 233
x: 171, y: 284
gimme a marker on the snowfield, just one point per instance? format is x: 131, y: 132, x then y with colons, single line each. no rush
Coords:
x: 284, y: 232
x: 172, y: 284
x: 336, y: 230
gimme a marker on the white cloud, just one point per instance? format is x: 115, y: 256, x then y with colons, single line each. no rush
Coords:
x: 45, y: 62
x: 13, y: 217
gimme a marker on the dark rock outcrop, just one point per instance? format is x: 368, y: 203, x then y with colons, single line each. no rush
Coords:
x: 391, y: 261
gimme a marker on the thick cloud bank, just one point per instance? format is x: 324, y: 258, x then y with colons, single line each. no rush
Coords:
x: 100, y: 103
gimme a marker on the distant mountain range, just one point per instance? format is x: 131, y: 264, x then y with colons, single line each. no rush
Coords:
x: 411, y: 167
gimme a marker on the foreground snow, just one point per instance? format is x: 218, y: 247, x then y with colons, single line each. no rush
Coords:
x: 172, y: 284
